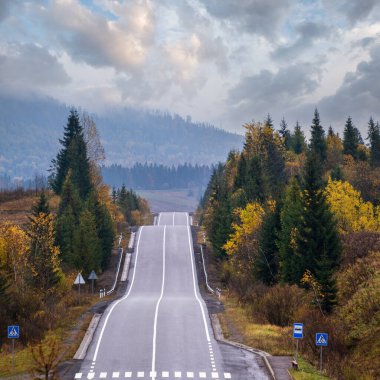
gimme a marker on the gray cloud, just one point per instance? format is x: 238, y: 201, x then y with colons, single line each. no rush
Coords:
x: 92, y: 38
x: 5, y: 8
x: 27, y: 66
x: 359, y: 95
x: 262, y: 17
x: 353, y: 10
x: 308, y: 32
x: 269, y: 92
x: 364, y: 42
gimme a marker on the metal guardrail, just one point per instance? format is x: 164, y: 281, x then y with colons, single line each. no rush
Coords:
x: 217, y: 291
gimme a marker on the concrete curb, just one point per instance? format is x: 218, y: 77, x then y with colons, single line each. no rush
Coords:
x: 82, y: 350
x: 218, y: 333
x: 127, y: 264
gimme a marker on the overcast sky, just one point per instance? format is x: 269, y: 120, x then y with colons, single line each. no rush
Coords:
x: 226, y: 62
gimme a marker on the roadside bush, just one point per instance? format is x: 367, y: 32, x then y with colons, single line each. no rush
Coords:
x: 279, y: 304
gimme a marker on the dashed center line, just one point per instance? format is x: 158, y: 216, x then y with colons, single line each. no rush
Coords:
x: 163, y: 374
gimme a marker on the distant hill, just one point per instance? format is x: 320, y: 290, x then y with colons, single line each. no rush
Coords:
x: 30, y: 129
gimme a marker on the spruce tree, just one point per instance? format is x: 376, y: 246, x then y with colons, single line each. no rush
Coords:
x: 268, y: 121
x: 254, y: 186
x: 267, y: 263
x: 374, y: 141
x: 241, y: 172
x: 290, y: 219
x: 318, y: 142
x: 298, y: 142
x: 42, y: 205
x: 68, y: 220
x: 73, y: 155
x: 285, y: 134
x: 350, y: 139
x: 318, y: 240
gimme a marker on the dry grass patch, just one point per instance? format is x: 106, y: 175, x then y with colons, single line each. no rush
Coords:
x: 237, y: 325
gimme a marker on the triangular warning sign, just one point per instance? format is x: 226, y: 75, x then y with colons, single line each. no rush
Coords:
x: 321, y: 340
x: 13, y: 332
x: 79, y: 279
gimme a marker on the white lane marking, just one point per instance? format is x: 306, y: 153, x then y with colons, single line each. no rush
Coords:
x: 195, y: 289
x: 177, y: 374
x: 115, y: 375
x: 140, y: 374
x: 165, y: 374
x: 157, y: 306
x: 173, y: 218
x: 153, y: 374
x: 90, y: 376
x: 190, y: 375
x: 202, y: 375
x: 227, y: 375
x: 159, y: 218
x: 128, y: 374
x: 103, y: 375
x: 215, y: 375
x: 121, y: 299
x: 78, y: 375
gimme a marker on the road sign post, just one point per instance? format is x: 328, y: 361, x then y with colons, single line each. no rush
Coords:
x: 92, y: 277
x: 13, y: 333
x: 321, y: 340
x: 78, y: 281
x: 297, y: 334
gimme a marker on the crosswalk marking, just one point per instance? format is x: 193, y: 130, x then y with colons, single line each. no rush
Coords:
x: 164, y: 374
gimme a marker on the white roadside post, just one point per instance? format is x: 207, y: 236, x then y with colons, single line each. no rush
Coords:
x: 78, y: 281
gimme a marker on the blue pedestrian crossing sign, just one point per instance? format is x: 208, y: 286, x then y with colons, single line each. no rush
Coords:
x: 321, y: 339
x: 298, y: 330
x: 13, y: 332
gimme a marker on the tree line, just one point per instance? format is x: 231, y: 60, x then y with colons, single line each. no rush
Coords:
x: 157, y: 177
x: 279, y: 214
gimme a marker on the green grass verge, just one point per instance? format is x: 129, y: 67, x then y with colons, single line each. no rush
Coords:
x: 306, y: 372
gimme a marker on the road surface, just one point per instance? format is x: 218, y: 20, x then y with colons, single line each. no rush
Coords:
x: 160, y: 328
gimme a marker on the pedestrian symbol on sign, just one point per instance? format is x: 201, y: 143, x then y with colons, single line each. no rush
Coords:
x: 321, y: 339
x: 13, y: 332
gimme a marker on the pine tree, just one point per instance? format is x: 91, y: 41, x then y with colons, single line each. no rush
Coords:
x: 350, y: 139
x: 374, y: 141
x: 268, y: 121
x: 318, y: 141
x: 298, y: 142
x: 254, y: 183
x: 241, y: 172
x: 318, y: 241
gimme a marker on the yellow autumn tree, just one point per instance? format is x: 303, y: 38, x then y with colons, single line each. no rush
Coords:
x: 243, y: 245
x: 351, y: 211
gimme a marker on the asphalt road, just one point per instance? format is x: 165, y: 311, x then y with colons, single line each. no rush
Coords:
x: 160, y: 328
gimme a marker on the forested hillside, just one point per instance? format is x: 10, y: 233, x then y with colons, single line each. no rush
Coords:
x: 296, y: 230
x: 30, y: 129
x: 157, y: 177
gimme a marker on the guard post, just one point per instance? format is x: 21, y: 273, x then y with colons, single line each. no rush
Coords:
x: 321, y: 340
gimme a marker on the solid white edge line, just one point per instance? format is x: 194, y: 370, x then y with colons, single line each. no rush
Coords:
x: 157, y: 306
x: 173, y: 218
x: 159, y: 218
x: 121, y: 299
x: 194, y: 284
